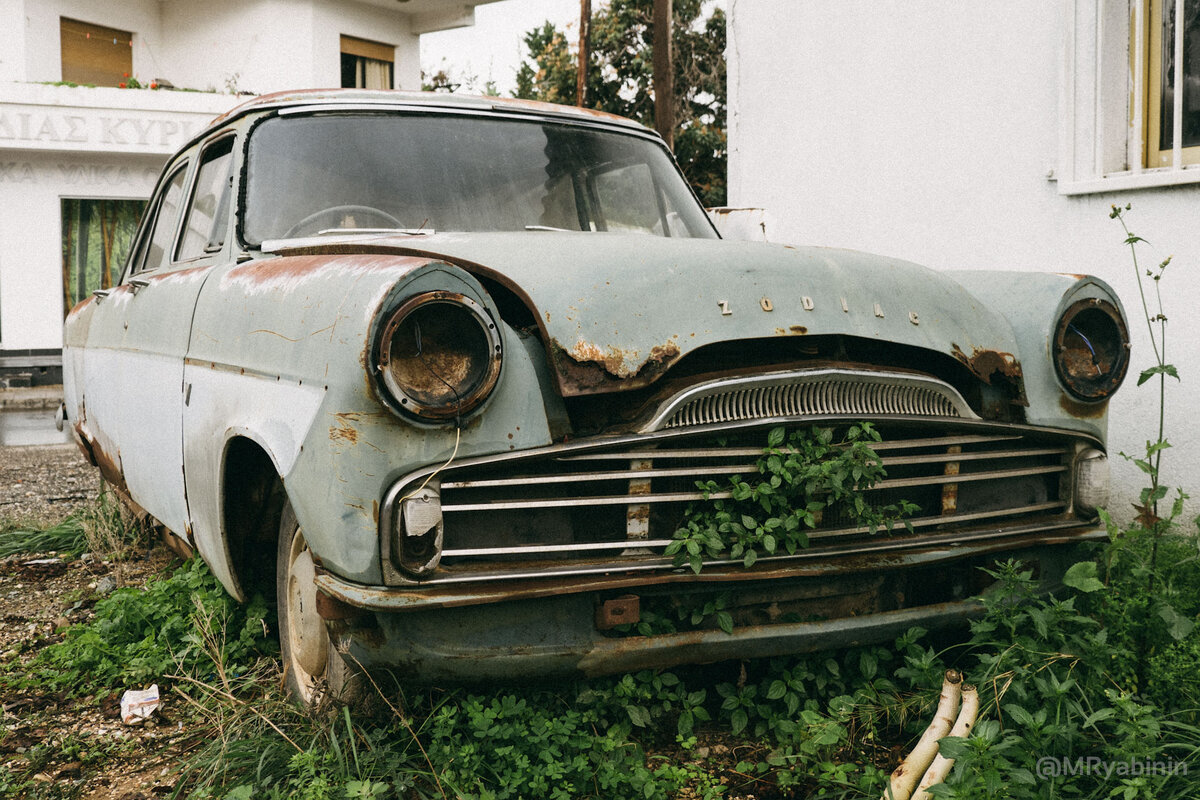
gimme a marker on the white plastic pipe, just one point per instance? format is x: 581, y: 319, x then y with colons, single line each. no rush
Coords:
x: 941, y: 765
x: 905, y: 777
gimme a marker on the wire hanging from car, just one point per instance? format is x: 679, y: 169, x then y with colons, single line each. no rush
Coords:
x: 457, y: 414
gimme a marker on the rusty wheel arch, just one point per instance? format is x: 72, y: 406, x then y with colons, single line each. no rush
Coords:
x: 252, y: 497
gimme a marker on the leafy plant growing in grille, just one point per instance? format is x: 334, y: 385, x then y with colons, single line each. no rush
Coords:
x: 804, y: 476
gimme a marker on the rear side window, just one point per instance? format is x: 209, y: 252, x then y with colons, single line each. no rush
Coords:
x: 166, y: 217
x: 208, y: 214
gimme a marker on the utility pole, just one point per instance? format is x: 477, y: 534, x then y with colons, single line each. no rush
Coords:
x: 664, y: 78
x: 585, y: 52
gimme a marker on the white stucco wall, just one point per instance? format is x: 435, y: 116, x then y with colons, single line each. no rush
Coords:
x: 929, y: 131
x: 58, y: 142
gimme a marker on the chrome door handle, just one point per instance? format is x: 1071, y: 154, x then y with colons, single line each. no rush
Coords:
x: 136, y: 284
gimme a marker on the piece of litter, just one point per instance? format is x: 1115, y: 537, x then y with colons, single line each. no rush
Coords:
x: 138, y: 704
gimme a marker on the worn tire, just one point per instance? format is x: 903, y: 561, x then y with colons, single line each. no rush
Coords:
x: 315, y: 673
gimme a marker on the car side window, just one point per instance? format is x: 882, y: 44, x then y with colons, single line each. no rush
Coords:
x: 208, y: 213
x: 158, y: 240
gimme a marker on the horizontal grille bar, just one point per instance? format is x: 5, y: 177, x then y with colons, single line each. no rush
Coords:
x: 921, y: 522
x: 675, y: 497
x: 736, y: 469
x: 517, y: 572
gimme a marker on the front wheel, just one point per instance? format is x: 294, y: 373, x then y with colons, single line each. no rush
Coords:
x: 312, y: 667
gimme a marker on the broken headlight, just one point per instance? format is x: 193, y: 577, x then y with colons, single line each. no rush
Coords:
x: 439, y: 356
x: 1091, y: 349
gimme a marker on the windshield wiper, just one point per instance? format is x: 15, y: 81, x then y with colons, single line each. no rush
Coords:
x: 548, y: 228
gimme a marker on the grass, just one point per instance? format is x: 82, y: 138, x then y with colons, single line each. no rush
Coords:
x: 67, y: 537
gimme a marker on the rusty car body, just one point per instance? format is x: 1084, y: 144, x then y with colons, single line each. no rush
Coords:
x: 446, y: 371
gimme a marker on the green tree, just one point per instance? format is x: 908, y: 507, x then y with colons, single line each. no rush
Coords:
x: 620, y: 78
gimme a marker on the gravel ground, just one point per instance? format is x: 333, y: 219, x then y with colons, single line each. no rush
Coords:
x: 43, y: 485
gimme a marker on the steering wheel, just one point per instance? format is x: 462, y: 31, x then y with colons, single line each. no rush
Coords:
x: 331, y: 217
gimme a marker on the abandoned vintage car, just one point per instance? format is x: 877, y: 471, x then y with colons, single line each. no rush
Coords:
x: 450, y: 375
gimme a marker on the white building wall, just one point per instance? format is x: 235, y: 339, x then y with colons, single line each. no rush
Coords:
x: 930, y: 131
x: 43, y: 52
x: 232, y: 45
x: 56, y: 143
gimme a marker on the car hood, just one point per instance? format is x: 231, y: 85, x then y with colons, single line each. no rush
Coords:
x: 616, y: 310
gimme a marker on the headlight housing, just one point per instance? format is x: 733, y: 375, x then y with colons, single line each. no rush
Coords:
x: 439, y: 356
x: 1091, y: 349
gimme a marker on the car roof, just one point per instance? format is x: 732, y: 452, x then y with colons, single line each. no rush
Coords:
x: 356, y: 98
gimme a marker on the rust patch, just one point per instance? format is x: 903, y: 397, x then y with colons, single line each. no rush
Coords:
x: 988, y: 364
x: 798, y: 330
x: 164, y: 276
x: 1083, y: 410
x: 80, y: 305
x: 302, y: 265
x: 623, y: 610
x: 588, y: 369
x: 342, y: 432
x: 110, y: 467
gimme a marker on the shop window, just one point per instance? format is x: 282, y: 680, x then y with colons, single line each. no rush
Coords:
x: 93, y: 54
x: 96, y: 239
x: 366, y: 64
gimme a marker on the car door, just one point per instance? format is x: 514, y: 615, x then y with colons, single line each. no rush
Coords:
x: 179, y: 247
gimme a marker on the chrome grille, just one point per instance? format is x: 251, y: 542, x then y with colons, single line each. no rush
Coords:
x: 626, y: 502
x: 822, y: 392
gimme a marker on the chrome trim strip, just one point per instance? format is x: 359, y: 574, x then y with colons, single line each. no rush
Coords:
x: 755, y: 452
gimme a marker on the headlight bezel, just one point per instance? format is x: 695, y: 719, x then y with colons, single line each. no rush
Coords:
x: 1105, y: 329
x: 403, y: 399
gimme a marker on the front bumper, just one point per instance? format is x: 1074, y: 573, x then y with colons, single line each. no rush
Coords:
x: 546, y: 627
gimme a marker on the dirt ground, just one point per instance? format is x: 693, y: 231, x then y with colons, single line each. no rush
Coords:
x: 40, y: 594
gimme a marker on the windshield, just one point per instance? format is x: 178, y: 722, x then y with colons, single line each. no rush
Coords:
x: 307, y: 175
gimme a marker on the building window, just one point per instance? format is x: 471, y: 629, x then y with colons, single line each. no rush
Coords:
x: 96, y: 239
x: 92, y: 54
x: 1165, y: 47
x: 1121, y: 114
x: 366, y: 64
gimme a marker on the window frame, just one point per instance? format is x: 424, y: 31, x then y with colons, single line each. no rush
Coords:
x: 1104, y: 138
x: 225, y: 204
x: 137, y: 255
x: 367, y: 50
x: 1155, y: 156
x: 71, y: 26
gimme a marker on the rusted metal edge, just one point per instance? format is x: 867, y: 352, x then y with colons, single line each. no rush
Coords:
x: 870, y: 555
x: 608, y: 656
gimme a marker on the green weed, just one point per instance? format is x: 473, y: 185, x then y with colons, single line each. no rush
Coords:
x: 140, y: 635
